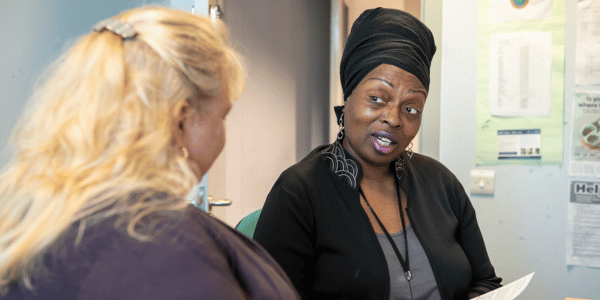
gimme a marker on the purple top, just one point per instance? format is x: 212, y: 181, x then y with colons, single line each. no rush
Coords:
x: 193, y: 256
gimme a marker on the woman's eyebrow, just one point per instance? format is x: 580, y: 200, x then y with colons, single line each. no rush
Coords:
x: 383, y: 80
x: 417, y: 90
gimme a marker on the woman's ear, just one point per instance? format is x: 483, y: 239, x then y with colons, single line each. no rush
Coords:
x: 181, y: 112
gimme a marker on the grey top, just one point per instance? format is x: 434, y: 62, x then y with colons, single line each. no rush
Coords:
x: 422, y: 282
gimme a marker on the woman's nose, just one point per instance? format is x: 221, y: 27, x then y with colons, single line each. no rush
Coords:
x: 391, y: 116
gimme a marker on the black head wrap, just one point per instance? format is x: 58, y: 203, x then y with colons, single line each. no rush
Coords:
x: 386, y: 36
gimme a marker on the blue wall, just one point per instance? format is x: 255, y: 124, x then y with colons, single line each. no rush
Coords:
x: 525, y: 222
x: 33, y: 33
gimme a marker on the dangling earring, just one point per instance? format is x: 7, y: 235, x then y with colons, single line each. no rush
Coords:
x: 340, y: 134
x: 186, y: 154
x: 409, y: 151
x: 399, y: 166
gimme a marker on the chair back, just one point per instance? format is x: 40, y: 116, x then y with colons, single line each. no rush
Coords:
x: 248, y: 224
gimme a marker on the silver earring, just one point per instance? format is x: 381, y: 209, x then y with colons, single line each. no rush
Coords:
x: 340, y: 134
x: 409, y: 151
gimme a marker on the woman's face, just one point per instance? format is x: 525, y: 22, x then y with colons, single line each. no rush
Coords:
x: 383, y: 115
x: 204, y: 133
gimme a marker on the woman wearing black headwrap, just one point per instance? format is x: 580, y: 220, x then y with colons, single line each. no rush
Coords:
x: 362, y: 218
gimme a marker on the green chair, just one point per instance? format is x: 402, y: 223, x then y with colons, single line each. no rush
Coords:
x: 248, y: 224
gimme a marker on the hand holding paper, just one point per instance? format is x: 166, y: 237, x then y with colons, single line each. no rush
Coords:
x: 509, y: 291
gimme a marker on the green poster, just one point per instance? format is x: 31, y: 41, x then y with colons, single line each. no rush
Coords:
x: 520, y: 82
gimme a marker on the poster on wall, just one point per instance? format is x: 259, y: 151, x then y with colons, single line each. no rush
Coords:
x: 587, y: 53
x: 520, y: 69
x: 585, y: 136
x: 583, y: 236
x: 519, y: 10
x: 520, y: 86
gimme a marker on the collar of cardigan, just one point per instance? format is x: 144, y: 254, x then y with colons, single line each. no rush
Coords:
x: 347, y: 167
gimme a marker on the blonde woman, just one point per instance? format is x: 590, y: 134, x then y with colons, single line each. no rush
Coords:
x: 119, y: 130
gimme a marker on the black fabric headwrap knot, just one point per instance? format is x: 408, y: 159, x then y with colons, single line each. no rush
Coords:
x: 386, y: 36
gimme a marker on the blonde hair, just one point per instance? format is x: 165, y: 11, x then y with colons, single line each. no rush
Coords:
x: 100, y: 128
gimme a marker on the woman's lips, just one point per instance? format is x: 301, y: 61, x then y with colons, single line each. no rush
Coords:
x: 383, y: 141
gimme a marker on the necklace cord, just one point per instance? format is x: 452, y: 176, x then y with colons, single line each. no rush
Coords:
x: 404, y: 263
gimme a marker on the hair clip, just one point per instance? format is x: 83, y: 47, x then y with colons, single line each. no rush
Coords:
x: 115, y: 26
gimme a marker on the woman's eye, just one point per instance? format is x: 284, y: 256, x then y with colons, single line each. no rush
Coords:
x: 376, y: 99
x: 411, y: 111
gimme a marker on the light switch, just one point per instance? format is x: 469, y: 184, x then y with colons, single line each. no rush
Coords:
x: 482, y: 182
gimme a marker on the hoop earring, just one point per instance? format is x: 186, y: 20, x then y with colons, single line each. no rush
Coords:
x: 340, y: 134
x: 409, y: 151
x: 186, y: 154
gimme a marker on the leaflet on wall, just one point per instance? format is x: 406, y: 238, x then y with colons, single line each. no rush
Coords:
x: 520, y: 74
x: 585, y: 138
x: 587, y: 53
x: 520, y: 144
x: 519, y: 10
x: 509, y: 291
x: 583, y: 236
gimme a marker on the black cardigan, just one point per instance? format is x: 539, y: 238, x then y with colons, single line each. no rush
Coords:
x: 313, y: 224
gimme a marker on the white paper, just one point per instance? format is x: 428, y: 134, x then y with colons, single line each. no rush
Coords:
x: 520, y: 74
x: 519, y: 10
x: 509, y: 291
x: 583, y: 236
x: 585, y: 135
x: 587, y: 53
